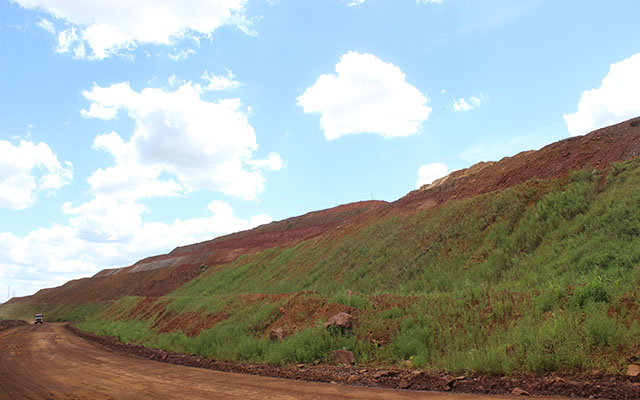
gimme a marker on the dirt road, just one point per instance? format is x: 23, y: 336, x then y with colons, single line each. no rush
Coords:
x: 48, y: 362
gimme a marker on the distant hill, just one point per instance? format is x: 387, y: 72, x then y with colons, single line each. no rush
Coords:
x: 527, y: 264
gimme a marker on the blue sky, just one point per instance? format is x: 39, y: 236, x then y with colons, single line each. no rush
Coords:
x: 127, y: 129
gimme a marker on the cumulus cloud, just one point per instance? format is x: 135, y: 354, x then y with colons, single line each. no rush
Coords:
x: 220, y: 82
x: 108, y: 27
x: 616, y: 100
x: 366, y: 95
x: 200, y: 144
x: 427, y: 174
x: 179, y: 143
x: 462, y: 105
x: 29, y: 169
x: 104, y: 233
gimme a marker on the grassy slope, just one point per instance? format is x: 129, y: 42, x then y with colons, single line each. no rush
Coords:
x: 539, y: 277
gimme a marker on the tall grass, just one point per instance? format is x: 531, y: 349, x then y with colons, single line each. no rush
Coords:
x: 535, y: 278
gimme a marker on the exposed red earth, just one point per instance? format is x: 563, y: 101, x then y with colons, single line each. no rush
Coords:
x: 159, y: 275
x: 597, y: 149
x: 156, y: 276
x: 49, y: 362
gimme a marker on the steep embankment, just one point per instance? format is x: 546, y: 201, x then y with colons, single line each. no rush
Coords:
x: 528, y: 264
x: 158, y: 275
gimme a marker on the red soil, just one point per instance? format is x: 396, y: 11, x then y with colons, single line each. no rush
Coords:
x: 597, y: 149
x: 304, y: 310
x: 159, y: 275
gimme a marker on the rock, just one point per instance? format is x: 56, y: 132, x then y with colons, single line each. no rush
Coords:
x: 408, y: 364
x: 633, y: 370
x: 519, y: 392
x: 341, y: 320
x: 333, y: 382
x: 352, y: 378
x: 344, y: 356
x: 450, y: 381
x: 381, y: 374
x: 276, y: 335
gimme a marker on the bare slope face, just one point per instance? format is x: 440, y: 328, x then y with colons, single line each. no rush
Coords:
x: 597, y: 149
x: 158, y: 275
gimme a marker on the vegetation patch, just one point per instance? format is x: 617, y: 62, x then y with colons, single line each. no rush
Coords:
x: 535, y: 278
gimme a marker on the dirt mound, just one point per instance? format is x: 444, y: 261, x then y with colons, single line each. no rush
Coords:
x: 9, y: 323
x: 303, y: 310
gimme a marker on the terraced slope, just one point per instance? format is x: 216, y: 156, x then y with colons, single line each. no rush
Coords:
x: 528, y: 264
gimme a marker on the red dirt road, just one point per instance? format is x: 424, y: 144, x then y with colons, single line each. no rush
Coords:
x: 48, y: 362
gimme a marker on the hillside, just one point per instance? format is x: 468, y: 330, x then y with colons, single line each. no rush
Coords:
x: 525, y: 265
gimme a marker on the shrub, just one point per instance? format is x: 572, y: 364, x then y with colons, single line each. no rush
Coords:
x: 602, y: 331
x: 594, y: 291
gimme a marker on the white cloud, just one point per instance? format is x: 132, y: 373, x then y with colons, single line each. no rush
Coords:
x: 180, y: 143
x: 26, y: 170
x: 201, y: 144
x: 104, y: 233
x: 105, y: 219
x: 220, y: 82
x: 182, y: 55
x: 617, y: 99
x: 47, y: 25
x: 430, y: 172
x: 106, y: 101
x: 462, y: 105
x: 367, y: 95
x: 109, y: 27
x: 273, y: 163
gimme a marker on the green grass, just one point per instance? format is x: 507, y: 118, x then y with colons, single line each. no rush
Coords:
x: 539, y: 277
x: 53, y: 313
